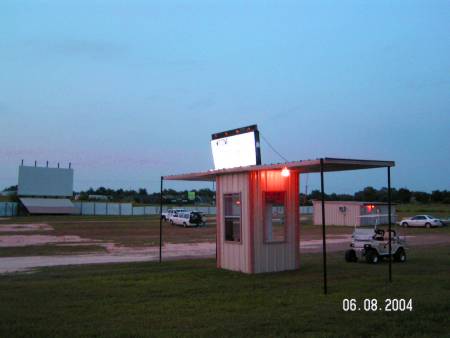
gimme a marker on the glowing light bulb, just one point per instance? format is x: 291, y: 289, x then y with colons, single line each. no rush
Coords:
x: 285, y: 172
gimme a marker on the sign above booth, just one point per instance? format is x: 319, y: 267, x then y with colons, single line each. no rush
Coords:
x: 236, y: 148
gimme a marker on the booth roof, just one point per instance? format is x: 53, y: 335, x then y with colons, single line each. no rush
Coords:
x: 305, y: 166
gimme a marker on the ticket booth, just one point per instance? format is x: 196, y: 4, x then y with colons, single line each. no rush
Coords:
x: 257, y: 211
x: 257, y: 218
x: 257, y: 221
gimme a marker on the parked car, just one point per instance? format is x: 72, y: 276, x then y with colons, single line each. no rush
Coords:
x: 188, y: 219
x: 166, y: 216
x: 421, y: 221
x: 373, y: 245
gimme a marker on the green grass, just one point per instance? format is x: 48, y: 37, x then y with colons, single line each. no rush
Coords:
x: 421, y: 207
x: 50, y: 249
x: 434, y: 209
x: 193, y: 298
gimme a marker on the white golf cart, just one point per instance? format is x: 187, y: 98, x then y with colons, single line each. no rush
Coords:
x: 373, y: 245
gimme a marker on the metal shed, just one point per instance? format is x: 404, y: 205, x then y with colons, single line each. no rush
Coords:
x: 353, y: 213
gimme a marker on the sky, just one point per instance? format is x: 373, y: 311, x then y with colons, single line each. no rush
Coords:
x: 128, y: 91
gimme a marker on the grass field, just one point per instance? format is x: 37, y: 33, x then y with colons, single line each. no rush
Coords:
x: 434, y: 209
x: 193, y: 298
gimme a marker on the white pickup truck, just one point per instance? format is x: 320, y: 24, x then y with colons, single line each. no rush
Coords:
x: 188, y: 219
x: 166, y: 216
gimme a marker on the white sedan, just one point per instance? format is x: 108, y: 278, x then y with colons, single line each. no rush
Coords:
x: 421, y: 221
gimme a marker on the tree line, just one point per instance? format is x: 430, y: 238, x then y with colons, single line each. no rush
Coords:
x: 204, y: 196
x: 207, y: 196
x: 371, y: 194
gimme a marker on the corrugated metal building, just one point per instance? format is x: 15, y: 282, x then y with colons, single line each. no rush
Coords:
x: 262, y: 234
x: 353, y: 213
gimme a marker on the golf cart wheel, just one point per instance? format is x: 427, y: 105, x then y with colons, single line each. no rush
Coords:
x: 428, y: 225
x: 164, y: 218
x: 405, y: 224
x: 184, y: 224
x: 372, y: 256
x: 171, y: 222
x: 400, y: 255
x: 350, y: 256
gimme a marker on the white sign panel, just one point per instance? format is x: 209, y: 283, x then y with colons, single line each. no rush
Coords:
x: 43, y: 181
x: 234, y: 151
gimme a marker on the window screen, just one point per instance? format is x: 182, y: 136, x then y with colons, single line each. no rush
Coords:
x: 232, y: 216
x: 274, y: 216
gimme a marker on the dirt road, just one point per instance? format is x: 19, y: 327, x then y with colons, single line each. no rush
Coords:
x: 115, y: 253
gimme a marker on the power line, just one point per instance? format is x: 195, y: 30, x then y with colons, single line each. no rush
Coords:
x: 273, y: 149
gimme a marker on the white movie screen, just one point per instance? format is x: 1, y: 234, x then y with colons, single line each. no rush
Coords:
x: 234, y: 151
x: 43, y: 181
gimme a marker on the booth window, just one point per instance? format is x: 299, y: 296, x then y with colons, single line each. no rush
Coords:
x: 274, y: 216
x: 232, y: 216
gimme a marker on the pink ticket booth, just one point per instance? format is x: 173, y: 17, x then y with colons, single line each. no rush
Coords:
x: 257, y: 215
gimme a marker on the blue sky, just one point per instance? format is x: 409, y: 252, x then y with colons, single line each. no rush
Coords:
x: 130, y: 90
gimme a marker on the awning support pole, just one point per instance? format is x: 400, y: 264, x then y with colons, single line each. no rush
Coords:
x: 160, y: 219
x: 390, y: 222
x: 324, y: 244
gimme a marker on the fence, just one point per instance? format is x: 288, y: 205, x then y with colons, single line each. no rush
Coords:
x: 8, y: 209
x: 127, y: 209
x: 120, y: 209
x: 309, y: 210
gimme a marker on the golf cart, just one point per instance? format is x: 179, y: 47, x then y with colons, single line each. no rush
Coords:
x: 373, y: 245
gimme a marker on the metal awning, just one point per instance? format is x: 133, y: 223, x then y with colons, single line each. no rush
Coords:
x: 305, y: 166
x: 321, y: 165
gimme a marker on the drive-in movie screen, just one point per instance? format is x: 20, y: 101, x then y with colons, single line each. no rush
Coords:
x: 223, y: 168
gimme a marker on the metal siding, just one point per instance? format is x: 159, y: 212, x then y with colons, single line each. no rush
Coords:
x: 271, y: 257
x: 8, y: 209
x: 218, y: 225
x: 234, y: 256
x: 381, y: 219
x: 335, y: 217
x: 100, y: 208
x: 251, y: 223
x: 352, y: 216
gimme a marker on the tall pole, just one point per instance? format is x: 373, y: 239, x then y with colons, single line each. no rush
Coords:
x: 160, y: 219
x: 324, y: 244
x: 390, y: 222
x: 306, y: 189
